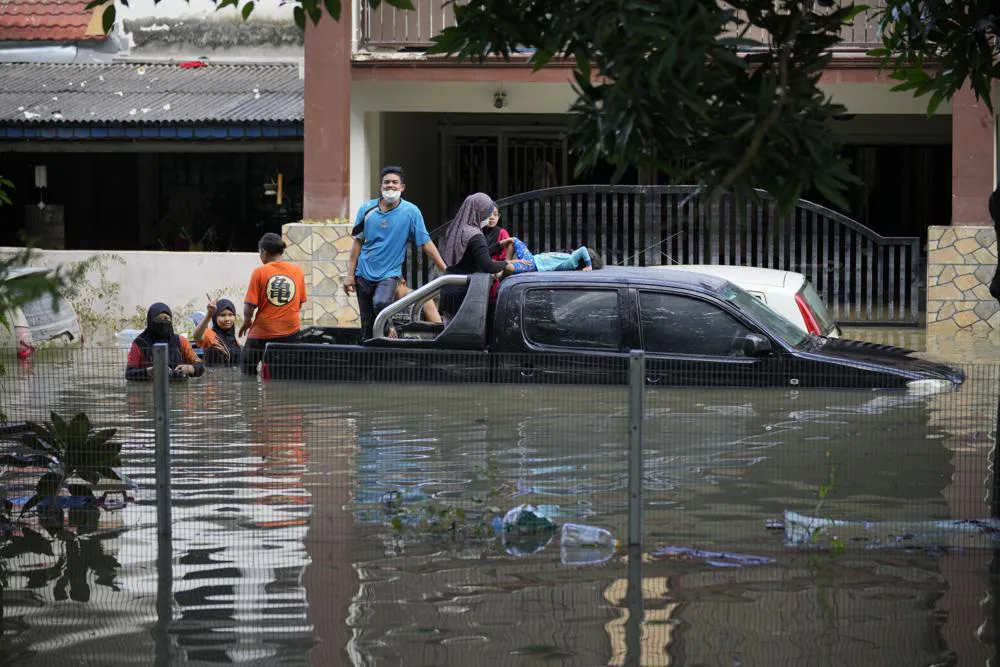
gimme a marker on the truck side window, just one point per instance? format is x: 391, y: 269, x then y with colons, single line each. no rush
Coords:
x: 576, y: 318
x: 673, y: 324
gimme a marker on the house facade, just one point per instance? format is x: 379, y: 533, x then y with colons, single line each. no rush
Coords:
x: 180, y: 130
x: 373, y: 97
x: 218, y: 130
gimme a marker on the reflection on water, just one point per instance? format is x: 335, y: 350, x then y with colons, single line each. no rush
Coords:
x: 284, y: 552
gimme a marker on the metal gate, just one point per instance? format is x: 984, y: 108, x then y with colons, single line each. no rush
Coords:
x: 865, y: 278
x: 502, y: 161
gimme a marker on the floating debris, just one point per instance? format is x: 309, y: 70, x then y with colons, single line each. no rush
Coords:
x: 802, y: 530
x: 580, y: 544
x: 714, y: 558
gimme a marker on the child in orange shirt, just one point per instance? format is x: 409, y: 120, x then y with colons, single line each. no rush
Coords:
x: 276, y: 292
x: 219, y: 341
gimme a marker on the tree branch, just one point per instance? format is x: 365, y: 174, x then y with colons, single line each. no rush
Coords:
x: 771, y: 118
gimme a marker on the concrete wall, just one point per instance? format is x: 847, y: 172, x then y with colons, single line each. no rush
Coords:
x: 121, y: 285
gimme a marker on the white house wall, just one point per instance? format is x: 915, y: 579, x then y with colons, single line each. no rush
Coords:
x: 124, y: 282
x: 263, y: 9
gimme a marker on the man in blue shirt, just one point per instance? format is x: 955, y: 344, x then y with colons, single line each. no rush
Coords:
x: 382, y: 230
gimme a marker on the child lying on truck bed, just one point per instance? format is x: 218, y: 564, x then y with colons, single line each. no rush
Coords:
x: 583, y: 259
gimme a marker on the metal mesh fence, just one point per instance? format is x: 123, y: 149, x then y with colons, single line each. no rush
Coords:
x: 446, y: 509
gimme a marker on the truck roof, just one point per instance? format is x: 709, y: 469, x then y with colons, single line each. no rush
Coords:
x: 619, y: 274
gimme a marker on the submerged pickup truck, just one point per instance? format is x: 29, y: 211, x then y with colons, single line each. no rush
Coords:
x: 578, y: 327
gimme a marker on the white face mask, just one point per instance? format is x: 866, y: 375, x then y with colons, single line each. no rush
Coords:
x: 485, y: 222
x: 391, y: 195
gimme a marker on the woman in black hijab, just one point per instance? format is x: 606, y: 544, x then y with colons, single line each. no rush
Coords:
x: 181, y: 359
x: 219, y: 343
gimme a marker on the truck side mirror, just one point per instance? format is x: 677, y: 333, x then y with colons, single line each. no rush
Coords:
x: 755, y: 345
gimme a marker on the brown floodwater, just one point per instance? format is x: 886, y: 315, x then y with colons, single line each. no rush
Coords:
x: 353, y: 524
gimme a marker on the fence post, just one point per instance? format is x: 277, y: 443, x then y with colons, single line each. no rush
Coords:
x: 161, y: 399
x: 165, y: 548
x: 636, y: 388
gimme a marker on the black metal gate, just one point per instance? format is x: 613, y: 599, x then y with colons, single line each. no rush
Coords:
x: 865, y: 278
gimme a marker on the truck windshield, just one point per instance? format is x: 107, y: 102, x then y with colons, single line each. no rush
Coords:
x: 775, y: 323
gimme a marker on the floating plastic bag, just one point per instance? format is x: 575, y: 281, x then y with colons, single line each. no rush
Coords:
x: 525, y: 530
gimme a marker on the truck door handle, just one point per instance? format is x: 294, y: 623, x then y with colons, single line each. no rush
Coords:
x: 527, y: 372
x: 653, y: 379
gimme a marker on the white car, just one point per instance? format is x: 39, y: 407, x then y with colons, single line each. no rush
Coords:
x: 46, y: 318
x: 785, y: 292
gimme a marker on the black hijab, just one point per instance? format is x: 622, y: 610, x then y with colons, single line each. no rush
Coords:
x: 226, y: 336
x: 493, y: 233
x: 159, y: 332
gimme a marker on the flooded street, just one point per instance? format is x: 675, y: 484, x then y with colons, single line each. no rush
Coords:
x: 353, y: 524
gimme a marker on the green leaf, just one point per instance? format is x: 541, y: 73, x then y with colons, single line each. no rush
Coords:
x: 97, y: 438
x: 853, y: 12
x: 247, y: 10
x: 108, y: 18
x: 935, y: 101
x: 79, y: 427
x: 300, y: 17
x: 58, y: 423
x: 401, y: 4
x: 333, y: 8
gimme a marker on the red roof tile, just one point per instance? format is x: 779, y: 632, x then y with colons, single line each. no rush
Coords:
x: 49, y: 20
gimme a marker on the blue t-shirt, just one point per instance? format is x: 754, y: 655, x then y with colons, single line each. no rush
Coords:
x: 385, y: 237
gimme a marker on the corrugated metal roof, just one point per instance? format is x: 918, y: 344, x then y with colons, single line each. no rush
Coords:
x: 49, y: 20
x: 160, y: 93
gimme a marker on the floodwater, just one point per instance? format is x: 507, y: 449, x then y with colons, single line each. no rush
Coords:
x: 351, y: 524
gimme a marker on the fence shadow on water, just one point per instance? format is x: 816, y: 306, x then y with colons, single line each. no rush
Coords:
x: 367, y: 522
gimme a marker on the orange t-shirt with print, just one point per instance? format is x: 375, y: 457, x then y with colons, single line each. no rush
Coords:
x: 278, y: 290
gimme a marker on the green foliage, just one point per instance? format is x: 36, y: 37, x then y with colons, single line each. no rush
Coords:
x: 936, y: 47
x: 684, y: 87
x: 5, y: 185
x: 70, y: 449
x: 435, y: 518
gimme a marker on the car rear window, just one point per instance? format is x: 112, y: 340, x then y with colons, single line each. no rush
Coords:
x: 818, y: 308
x: 573, y: 318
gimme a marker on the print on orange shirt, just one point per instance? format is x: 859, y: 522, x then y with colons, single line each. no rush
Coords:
x: 278, y: 290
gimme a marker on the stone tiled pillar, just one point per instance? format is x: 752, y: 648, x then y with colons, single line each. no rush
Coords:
x: 960, y: 265
x: 323, y: 250
x: 961, y: 258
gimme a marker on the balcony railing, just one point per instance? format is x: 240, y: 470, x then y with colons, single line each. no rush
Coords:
x: 390, y: 29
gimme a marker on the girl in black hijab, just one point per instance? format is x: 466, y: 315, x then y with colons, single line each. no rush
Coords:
x: 181, y: 359
x: 219, y: 342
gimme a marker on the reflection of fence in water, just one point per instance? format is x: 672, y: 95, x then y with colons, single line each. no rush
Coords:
x: 717, y: 462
